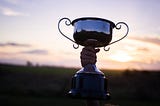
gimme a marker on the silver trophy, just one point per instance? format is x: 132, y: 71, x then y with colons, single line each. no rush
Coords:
x: 89, y: 82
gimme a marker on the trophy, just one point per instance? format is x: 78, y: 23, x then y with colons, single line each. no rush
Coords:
x: 89, y: 82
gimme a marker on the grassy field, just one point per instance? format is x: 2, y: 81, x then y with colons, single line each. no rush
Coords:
x: 48, y: 86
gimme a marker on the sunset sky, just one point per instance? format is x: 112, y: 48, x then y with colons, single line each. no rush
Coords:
x: 28, y: 32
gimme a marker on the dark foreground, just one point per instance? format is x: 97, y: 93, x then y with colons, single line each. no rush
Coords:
x: 48, y: 86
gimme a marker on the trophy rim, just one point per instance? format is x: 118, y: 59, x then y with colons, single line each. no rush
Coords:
x: 93, y: 18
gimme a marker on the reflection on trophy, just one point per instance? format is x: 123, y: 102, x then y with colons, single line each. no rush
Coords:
x: 89, y: 82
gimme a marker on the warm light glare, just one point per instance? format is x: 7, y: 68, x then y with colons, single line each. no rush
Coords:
x: 121, y: 57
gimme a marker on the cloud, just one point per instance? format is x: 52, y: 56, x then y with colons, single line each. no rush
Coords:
x: 14, y: 44
x: 144, y: 49
x: 154, y: 40
x: 10, y: 12
x: 13, y: 1
x: 36, y: 51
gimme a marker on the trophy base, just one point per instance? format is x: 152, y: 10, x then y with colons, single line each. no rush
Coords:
x: 89, y: 83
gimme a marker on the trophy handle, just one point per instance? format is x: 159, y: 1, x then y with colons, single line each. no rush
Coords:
x: 68, y: 23
x: 118, y: 27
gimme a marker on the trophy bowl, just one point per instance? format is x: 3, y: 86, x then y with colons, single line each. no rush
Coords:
x: 96, y: 29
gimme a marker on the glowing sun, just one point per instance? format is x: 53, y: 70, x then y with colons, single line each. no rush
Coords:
x: 121, y: 56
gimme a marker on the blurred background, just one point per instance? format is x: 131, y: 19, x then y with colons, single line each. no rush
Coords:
x: 37, y: 62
